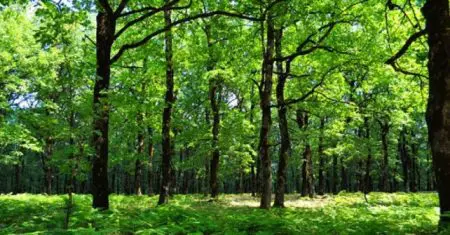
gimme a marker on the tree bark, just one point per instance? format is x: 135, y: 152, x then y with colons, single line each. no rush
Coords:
x: 321, y: 190
x: 405, y: 159
x: 167, y: 115
x: 384, y: 125
x: 283, y: 125
x: 214, y: 96
x: 150, y: 162
x: 266, y: 119
x: 367, y: 177
x: 105, y: 37
x: 48, y: 171
x: 437, y: 17
x: 140, y: 152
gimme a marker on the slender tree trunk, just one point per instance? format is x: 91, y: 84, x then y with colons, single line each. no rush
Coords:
x: 335, y: 174
x: 344, y: 176
x: 414, y: 165
x: 266, y: 119
x: 150, y: 162
x: 385, y: 165
x: 140, y: 152
x: 367, y: 177
x: 253, y: 177
x: 283, y: 125
x: 214, y: 96
x: 405, y: 159
x: 321, y: 190
x: 105, y: 37
x: 48, y: 171
x: 167, y: 115
x: 18, y: 176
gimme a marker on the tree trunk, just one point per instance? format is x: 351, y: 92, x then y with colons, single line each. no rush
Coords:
x: 266, y: 119
x: 140, y: 152
x: 404, y: 157
x: 335, y: 174
x: 214, y: 96
x: 385, y: 165
x: 367, y: 177
x: 344, y: 176
x: 105, y: 37
x: 321, y: 190
x: 46, y: 157
x: 166, y: 126
x: 18, y: 177
x: 283, y: 125
x: 150, y: 162
x: 437, y: 17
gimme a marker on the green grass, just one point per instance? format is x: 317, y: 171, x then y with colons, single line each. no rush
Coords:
x: 346, y: 213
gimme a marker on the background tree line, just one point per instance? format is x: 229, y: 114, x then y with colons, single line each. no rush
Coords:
x: 261, y: 97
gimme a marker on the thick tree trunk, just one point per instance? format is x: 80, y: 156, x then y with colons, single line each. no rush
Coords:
x: 266, y: 119
x: 283, y: 125
x: 167, y: 116
x: 437, y: 17
x: 105, y: 37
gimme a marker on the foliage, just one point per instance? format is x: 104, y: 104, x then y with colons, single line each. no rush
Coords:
x: 346, y: 213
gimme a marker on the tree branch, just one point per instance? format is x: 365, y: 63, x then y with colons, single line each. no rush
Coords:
x: 149, y: 14
x: 105, y: 5
x: 120, y: 8
x: 402, y: 51
x: 149, y: 8
x: 176, y: 23
x: 302, y: 50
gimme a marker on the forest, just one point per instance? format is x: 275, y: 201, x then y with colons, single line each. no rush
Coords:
x: 224, y: 117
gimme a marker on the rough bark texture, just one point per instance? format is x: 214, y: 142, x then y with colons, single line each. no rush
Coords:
x: 105, y: 37
x: 283, y: 125
x: 266, y: 119
x: 169, y: 100
x: 437, y: 17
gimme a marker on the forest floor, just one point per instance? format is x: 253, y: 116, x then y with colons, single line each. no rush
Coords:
x: 346, y: 213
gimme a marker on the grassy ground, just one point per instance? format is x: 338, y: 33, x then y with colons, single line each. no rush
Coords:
x: 345, y: 213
